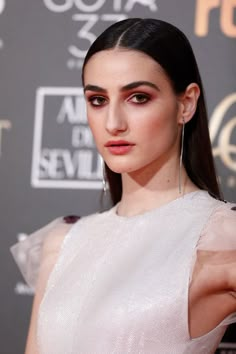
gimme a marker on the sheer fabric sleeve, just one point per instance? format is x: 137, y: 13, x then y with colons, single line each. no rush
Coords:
x: 28, y: 253
x: 216, y: 246
x: 220, y: 232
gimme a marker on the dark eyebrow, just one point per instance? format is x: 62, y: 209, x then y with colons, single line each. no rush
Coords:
x: 94, y: 88
x: 136, y: 84
x: 127, y: 87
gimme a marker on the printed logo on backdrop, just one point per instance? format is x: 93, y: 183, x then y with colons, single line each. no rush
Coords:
x: 64, y: 154
x: 87, y: 17
x: 2, y: 7
x: 226, y: 10
x: 223, y: 136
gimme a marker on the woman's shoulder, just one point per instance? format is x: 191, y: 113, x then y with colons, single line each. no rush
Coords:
x: 219, y: 232
x: 44, y: 245
x: 51, y: 236
x: 41, y: 245
x: 214, y: 264
x: 51, y: 233
x: 217, y: 239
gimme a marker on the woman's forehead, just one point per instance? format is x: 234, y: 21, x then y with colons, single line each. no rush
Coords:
x: 121, y: 52
x: 120, y: 61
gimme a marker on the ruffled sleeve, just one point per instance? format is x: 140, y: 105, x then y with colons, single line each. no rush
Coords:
x: 28, y: 253
x: 216, y: 247
x: 220, y: 232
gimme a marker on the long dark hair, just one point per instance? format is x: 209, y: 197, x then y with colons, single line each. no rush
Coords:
x: 170, y: 48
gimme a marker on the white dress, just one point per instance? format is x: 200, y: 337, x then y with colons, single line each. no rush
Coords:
x: 120, y: 284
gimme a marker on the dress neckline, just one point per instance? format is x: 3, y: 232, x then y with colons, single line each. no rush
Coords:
x: 165, y: 206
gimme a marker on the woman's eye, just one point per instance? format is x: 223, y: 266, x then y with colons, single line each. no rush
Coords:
x: 140, y: 98
x: 97, y: 100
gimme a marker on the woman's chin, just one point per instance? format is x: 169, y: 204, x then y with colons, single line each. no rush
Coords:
x: 120, y: 169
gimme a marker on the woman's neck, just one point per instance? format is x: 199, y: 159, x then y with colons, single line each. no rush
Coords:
x: 144, y: 190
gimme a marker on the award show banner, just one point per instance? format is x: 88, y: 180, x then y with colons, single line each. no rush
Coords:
x: 49, y: 164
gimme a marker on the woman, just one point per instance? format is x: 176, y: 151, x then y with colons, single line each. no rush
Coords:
x: 156, y: 272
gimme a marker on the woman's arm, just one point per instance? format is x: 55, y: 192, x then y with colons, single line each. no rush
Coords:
x: 50, y: 252
x: 212, y: 293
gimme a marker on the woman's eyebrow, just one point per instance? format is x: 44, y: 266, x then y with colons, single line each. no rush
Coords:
x: 94, y: 88
x: 127, y: 87
x: 136, y: 84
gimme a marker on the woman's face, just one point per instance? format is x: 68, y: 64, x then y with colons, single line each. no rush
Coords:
x: 134, y: 115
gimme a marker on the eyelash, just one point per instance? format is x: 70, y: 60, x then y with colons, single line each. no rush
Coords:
x: 93, y: 98
x: 143, y: 96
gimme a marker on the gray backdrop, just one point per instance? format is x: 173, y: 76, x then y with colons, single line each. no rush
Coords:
x: 49, y: 166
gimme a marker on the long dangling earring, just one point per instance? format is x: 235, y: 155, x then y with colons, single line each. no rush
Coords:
x: 104, y: 179
x: 181, y: 157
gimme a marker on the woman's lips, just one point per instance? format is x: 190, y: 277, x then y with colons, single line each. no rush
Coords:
x: 119, y: 147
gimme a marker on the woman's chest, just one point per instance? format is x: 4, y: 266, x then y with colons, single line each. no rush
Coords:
x: 124, y: 291
x: 125, y: 297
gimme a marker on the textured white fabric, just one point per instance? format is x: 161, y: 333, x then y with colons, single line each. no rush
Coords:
x: 120, y: 284
x: 27, y: 253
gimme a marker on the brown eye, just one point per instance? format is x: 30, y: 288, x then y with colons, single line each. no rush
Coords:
x: 97, y: 100
x: 140, y: 98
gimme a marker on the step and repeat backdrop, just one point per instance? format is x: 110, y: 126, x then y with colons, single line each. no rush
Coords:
x: 48, y: 163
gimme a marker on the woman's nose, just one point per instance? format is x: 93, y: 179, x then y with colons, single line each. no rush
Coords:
x: 116, y: 121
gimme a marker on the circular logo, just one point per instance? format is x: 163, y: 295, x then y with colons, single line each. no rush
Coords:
x: 224, y: 148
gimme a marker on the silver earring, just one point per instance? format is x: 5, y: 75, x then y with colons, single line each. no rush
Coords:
x: 181, y: 157
x: 104, y: 179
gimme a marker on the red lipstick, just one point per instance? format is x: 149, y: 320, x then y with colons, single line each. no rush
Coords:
x: 119, y: 147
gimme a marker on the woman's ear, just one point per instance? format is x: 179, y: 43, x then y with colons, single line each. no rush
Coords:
x: 188, y: 101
